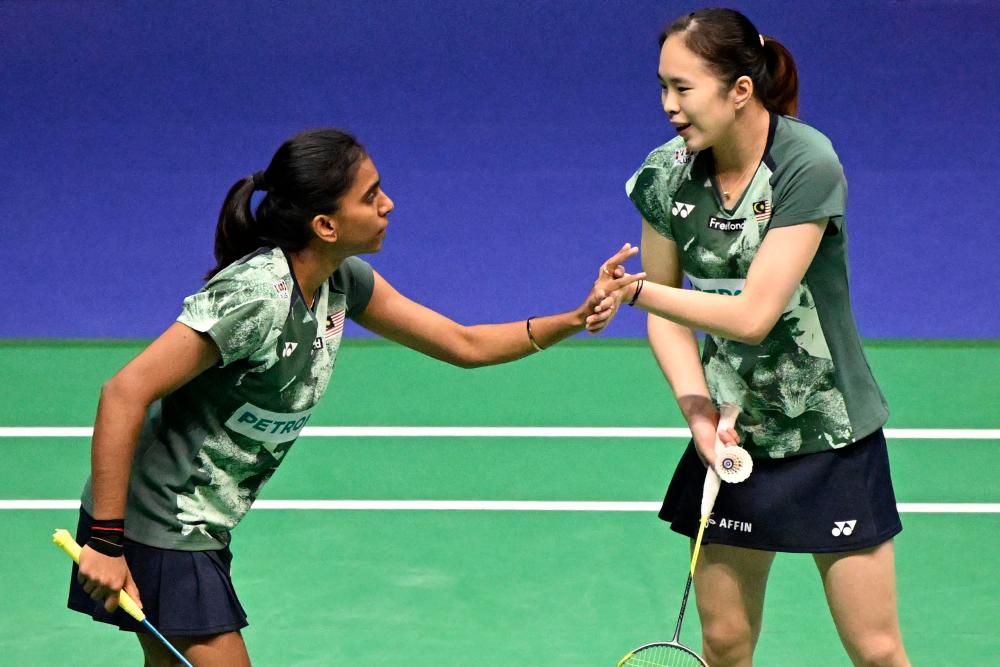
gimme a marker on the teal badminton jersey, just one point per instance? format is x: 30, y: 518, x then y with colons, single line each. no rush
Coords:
x: 206, y: 449
x: 807, y: 387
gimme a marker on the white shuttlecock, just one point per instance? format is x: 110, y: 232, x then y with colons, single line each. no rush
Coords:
x: 733, y: 464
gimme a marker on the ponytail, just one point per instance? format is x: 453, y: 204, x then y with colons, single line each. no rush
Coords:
x: 781, y: 91
x: 307, y: 176
x: 235, y: 232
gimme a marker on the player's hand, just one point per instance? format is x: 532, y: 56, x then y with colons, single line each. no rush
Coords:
x: 609, y: 288
x: 103, y: 577
x: 704, y: 427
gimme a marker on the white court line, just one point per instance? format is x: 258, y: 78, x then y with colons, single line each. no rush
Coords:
x: 494, y: 505
x: 510, y: 432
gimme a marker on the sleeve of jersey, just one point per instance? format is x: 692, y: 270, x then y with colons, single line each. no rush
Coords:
x: 811, y: 187
x: 653, y: 185
x: 239, y: 317
x: 359, y: 279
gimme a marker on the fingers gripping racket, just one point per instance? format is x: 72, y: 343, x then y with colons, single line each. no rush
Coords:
x: 62, y: 539
x: 732, y: 464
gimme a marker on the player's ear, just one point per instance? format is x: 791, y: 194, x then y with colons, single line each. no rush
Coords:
x: 325, y: 227
x: 742, y: 91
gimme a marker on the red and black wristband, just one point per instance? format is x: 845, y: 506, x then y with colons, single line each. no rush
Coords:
x: 107, y: 536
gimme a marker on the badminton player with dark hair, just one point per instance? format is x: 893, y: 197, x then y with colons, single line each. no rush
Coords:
x: 748, y: 204
x: 189, y: 431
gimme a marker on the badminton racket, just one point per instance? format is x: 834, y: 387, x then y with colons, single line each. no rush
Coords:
x: 62, y: 539
x: 732, y: 464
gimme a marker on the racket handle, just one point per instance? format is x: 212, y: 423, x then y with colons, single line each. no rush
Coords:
x: 728, y: 412
x: 62, y: 539
x: 709, y: 492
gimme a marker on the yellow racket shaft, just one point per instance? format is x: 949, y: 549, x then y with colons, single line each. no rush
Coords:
x: 62, y: 539
x: 697, y: 543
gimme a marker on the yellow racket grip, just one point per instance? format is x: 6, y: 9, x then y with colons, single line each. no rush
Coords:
x: 62, y: 539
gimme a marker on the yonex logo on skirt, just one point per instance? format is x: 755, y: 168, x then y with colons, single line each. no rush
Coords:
x: 843, y: 527
x: 266, y: 426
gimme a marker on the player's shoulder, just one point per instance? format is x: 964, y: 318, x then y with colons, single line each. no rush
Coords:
x: 794, y: 139
x: 263, y: 274
x: 353, y: 267
x: 673, y: 155
x: 663, y: 170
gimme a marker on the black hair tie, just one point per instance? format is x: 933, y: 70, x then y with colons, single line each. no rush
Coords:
x: 258, y: 181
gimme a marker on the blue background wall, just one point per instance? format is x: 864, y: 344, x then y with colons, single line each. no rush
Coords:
x: 503, y: 130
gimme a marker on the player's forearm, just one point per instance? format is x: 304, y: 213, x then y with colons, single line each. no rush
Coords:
x: 488, y: 344
x: 116, y: 430
x: 676, y: 351
x: 732, y: 317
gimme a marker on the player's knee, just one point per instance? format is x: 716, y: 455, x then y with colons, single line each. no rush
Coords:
x: 726, y: 642
x: 879, y: 650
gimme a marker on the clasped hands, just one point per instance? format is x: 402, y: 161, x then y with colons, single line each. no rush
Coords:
x: 612, y: 285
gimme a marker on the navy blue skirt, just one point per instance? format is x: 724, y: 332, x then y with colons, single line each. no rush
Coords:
x: 840, y: 500
x: 184, y: 593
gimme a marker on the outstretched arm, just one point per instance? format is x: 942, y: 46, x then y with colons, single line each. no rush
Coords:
x: 394, y: 316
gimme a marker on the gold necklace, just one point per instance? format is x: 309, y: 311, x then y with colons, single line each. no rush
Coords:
x: 718, y: 179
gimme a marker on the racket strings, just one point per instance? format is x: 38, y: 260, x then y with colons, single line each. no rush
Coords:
x: 665, y: 655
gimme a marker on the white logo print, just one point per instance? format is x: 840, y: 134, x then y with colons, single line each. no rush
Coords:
x: 682, y: 156
x: 843, y: 527
x: 289, y: 348
x: 682, y: 209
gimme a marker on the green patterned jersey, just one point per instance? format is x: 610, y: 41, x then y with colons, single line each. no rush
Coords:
x: 807, y: 387
x: 206, y: 449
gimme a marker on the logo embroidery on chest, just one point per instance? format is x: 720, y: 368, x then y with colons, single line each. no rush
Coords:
x: 334, y: 324
x: 289, y: 348
x: 724, y: 225
x: 682, y: 209
x: 762, y: 210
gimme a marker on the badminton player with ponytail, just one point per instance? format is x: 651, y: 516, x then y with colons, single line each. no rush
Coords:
x: 748, y: 204
x: 189, y: 431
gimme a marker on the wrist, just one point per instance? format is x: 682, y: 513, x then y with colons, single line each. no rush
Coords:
x: 578, y: 318
x: 697, y: 409
x: 631, y: 298
x: 107, y: 537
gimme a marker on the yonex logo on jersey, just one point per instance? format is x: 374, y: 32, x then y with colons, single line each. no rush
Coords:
x: 682, y: 209
x: 682, y: 156
x: 289, y: 348
x: 733, y: 524
x: 281, y: 288
x: 843, y: 527
x: 724, y: 225
x: 267, y: 426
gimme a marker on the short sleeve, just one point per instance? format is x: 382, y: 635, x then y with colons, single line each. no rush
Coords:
x: 811, y: 186
x: 650, y: 199
x: 355, y: 278
x: 654, y: 184
x: 238, y: 317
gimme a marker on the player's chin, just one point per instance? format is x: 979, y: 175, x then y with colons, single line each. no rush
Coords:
x: 376, y: 243
x: 693, y: 144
